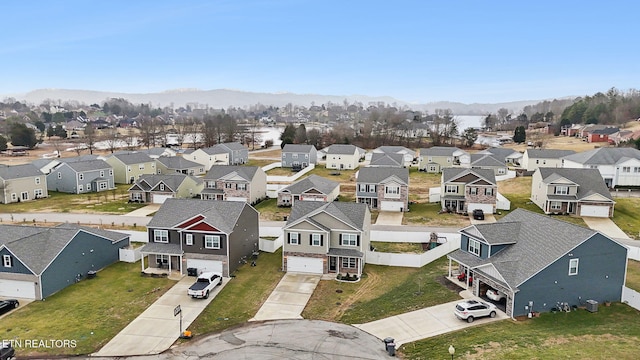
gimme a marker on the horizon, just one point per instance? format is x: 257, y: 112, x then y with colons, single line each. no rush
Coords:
x: 423, y: 53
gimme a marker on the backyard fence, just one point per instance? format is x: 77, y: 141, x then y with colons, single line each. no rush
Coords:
x: 631, y: 297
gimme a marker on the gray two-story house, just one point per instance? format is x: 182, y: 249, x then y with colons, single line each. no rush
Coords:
x: 538, y: 262
x: 235, y: 183
x: 324, y: 238
x: 298, y: 155
x: 238, y: 153
x: 22, y: 183
x: 79, y: 177
x: 202, y: 235
x: 178, y: 165
x: 383, y: 188
x: 464, y: 190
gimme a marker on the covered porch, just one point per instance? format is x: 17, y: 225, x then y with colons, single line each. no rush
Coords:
x: 345, y: 261
x: 212, y: 194
x: 560, y: 204
x: 454, y: 204
x: 163, y: 260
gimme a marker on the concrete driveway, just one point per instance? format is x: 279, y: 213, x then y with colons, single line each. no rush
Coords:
x: 390, y: 218
x: 145, y: 210
x: 605, y: 226
x: 423, y: 323
x: 22, y: 301
x: 289, y: 297
x: 488, y: 218
x: 156, y: 329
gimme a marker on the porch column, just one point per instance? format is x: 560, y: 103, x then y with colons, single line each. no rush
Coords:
x: 449, y: 267
x: 466, y: 278
x: 142, y: 262
x: 169, y: 264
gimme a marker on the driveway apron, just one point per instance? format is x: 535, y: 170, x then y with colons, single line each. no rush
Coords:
x: 389, y: 218
x: 289, y: 297
x: 605, y: 226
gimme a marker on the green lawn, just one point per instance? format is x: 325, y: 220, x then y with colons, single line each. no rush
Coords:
x: 633, y: 275
x: 90, y: 312
x: 270, y: 211
x: 242, y: 296
x: 611, y: 333
x: 625, y: 215
x: 259, y: 162
x: 427, y: 214
x: 394, y: 247
x: 335, y: 175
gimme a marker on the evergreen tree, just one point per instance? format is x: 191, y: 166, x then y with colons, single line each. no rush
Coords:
x: 519, y: 136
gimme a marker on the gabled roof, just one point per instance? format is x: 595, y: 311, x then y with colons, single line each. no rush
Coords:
x: 222, y: 215
x: 133, y: 158
x: 19, y: 171
x: 494, y: 234
x: 387, y: 159
x: 394, y: 150
x: 213, y: 150
x: 342, y: 149
x: 537, y: 241
x: 219, y: 171
x: 375, y: 175
x: 37, y: 247
x: 486, y: 160
x: 548, y: 153
x: 319, y: 183
x: 157, y: 151
x: 606, y: 131
x: 440, y: 151
x: 350, y: 213
x: 177, y: 162
x: 589, y: 181
x: 452, y: 174
x: 501, y: 153
x: 89, y: 165
x: 86, y: 157
x: 232, y: 146
x: 173, y: 181
x: 297, y: 148
x: 604, y: 156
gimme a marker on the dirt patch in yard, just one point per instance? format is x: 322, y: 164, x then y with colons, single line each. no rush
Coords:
x: 372, y: 282
x: 442, y: 280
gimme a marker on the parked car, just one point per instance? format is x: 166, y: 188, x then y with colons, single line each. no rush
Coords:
x: 6, y: 351
x: 205, y: 284
x: 496, y: 295
x: 8, y: 305
x: 478, y: 214
x: 472, y: 309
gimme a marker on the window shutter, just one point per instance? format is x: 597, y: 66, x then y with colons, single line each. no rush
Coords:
x: 341, y: 239
x: 310, y: 239
x: 321, y: 240
x: 358, y: 240
x: 288, y: 238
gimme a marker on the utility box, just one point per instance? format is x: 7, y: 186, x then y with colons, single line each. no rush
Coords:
x: 592, y: 306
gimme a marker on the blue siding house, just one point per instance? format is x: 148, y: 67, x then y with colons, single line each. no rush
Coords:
x: 299, y: 155
x: 538, y: 262
x: 36, y: 262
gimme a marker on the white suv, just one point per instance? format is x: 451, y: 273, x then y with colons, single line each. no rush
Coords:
x: 495, y: 295
x: 472, y: 309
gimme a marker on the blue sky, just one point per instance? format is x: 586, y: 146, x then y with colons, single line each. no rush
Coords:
x: 418, y: 51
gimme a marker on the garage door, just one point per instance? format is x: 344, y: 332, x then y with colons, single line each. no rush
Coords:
x: 594, y: 210
x: 242, y: 199
x: 391, y: 205
x: 311, y: 198
x: 160, y: 199
x: 205, y: 265
x: 305, y: 265
x: 18, y: 289
x: 486, y: 208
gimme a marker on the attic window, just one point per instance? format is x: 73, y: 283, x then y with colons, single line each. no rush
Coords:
x: 6, y: 261
x: 474, y: 247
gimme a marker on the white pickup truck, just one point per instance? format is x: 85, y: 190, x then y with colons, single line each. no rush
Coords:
x: 204, y: 285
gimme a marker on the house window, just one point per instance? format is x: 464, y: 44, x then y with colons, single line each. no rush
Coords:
x: 38, y: 180
x: 161, y: 187
x: 80, y: 188
x: 211, y: 184
x: 556, y: 205
x: 6, y: 261
x: 502, y: 171
x: 14, y: 197
x: 537, y: 161
x: 294, y: 156
x: 228, y: 185
x: 188, y: 239
x: 161, y: 236
x: 488, y: 191
x: 101, y: 173
x: 110, y: 172
x: 349, y: 262
x: 626, y: 169
x: 561, y: 190
x: 162, y: 259
x: 316, y: 240
x: 430, y: 159
x: 141, y: 166
x: 474, y: 247
x: 544, y: 162
x: 306, y: 156
x: 573, y: 267
x: 432, y: 169
x: 212, y: 242
x: 103, y: 186
x: 473, y: 191
x: 392, y: 190
x: 59, y: 175
x: 37, y: 193
x: 349, y: 239
x: 128, y: 168
x: 81, y: 176
x: 241, y: 186
x: 593, y: 166
x: 451, y: 189
x: 24, y: 195
x: 636, y: 169
x: 294, y: 239
x: 136, y: 196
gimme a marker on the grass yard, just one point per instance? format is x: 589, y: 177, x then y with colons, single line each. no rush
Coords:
x: 242, y: 296
x: 383, y: 291
x: 342, y: 176
x: 269, y: 210
x: 625, y: 215
x: 259, y: 162
x: 275, y: 153
x: 427, y: 214
x: 280, y: 171
x: 633, y: 275
x: 611, y: 333
x: 91, y: 312
x: 397, y: 248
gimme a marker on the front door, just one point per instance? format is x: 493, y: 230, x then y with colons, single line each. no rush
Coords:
x: 570, y: 208
x: 332, y: 263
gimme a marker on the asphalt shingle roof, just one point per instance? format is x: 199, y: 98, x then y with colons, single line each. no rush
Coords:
x: 589, y: 180
x: 177, y: 162
x: 18, y: 171
x: 149, y: 181
x: 604, y: 156
x: 486, y: 160
x: 133, y: 158
x: 222, y: 215
x: 395, y: 150
x: 387, y: 159
x: 439, y: 151
x: 374, y: 175
x: 297, y: 148
x: 319, y: 183
x: 548, y: 153
x: 350, y: 212
x: 342, y: 149
x: 218, y: 171
x: 500, y: 153
x: 89, y: 165
x: 449, y: 174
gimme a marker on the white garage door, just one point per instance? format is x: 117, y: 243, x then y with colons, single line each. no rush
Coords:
x: 242, y: 199
x: 18, y: 289
x: 486, y: 208
x: 391, y: 205
x: 311, y: 198
x: 304, y: 264
x: 594, y: 210
x: 160, y: 199
x: 205, y: 265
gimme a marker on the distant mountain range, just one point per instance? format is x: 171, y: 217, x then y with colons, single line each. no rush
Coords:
x: 223, y: 98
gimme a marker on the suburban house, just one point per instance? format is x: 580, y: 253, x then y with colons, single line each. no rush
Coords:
x: 158, y: 188
x: 508, y: 156
x: 22, y: 183
x: 128, y: 167
x: 158, y: 152
x: 208, y: 157
x: 311, y: 188
x: 235, y: 183
x: 408, y: 155
x: 535, y: 158
x: 297, y: 155
x: 324, y: 238
x: 203, y: 235
x: 538, y: 262
x: 180, y: 165
x: 383, y: 188
x: 37, y: 262
x: 601, y: 135
x: 238, y: 153
x: 79, y: 177
x: 618, y: 166
x: 388, y: 160
x: 434, y: 159
x: 464, y: 190
x: 488, y: 161
x: 571, y: 191
x: 342, y: 157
